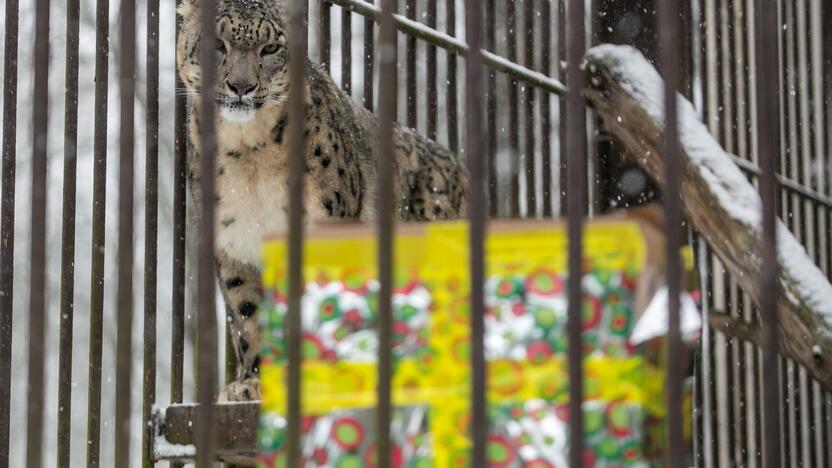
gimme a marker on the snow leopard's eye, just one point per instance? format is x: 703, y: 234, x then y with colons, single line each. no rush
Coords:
x: 220, y: 46
x: 269, y: 49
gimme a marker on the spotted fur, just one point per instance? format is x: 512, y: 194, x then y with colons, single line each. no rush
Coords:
x: 251, y: 200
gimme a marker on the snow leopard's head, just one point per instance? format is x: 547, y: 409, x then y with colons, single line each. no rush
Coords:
x: 251, y: 54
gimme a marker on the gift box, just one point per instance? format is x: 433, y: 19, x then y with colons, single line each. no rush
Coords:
x: 525, y: 346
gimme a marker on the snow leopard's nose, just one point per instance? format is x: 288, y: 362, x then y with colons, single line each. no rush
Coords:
x: 241, y: 88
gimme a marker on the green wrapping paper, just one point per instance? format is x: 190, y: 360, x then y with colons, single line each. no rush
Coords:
x: 526, y: 340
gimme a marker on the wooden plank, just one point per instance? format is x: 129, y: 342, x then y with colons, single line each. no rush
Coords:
x: 236, y: 431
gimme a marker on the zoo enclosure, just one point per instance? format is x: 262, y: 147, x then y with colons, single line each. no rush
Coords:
x: 719, y: 67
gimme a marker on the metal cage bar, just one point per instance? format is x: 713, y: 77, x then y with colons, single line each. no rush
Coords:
x: 529, y: 96
x: 125, y: 256
x: 151, y: 229
x: 384, y: 151
x: 7, y: 223
x: 67, y: 307
x: 576, y: 200
x: 669, y: 52
x: 491, y: 110
x: 545, y: 106
x: 178, y: 286
x: 37, y: 278
x: 177, y: 352
x: 346, y: 50
x: 768, y: 29
x: 512, y: 89
x: 478, y: 207
x: 410, y: 66
x: 325, y: 41
x: 206, y: 431
x: 99, y: 194
x: 295, y: 180
x: 369, y: 64
x: 432, y: 90
x: 452, y: 97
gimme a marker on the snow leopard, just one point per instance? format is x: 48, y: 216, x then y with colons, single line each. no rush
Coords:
x: 252, y: 90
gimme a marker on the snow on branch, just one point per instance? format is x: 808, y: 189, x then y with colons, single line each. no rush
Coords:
x: 627, y: 92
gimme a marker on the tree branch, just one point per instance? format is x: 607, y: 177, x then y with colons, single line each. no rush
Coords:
x: 626, y: 91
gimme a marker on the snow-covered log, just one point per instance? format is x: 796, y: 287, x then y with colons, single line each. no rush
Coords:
x: 627, y: 92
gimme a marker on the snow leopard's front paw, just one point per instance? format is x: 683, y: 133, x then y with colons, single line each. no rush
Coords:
x: 241, y: 390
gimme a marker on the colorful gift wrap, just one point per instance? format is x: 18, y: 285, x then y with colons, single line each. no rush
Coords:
x: 525, y: 347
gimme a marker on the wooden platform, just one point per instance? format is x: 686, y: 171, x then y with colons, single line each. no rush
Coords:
x: 236, y: 432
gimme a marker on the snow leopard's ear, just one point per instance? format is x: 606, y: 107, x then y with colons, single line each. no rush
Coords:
x: 187, y: 7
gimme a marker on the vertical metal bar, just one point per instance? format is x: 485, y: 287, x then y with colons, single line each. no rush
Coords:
x: 478, y: 206
x: 68, y: 232
x: 513, y: 112
x: 529, y: 156
x: 768, y: 108
x: 432, y: 89
x: 150, y: 227
x: 410, y: 67
x: 816, y: 20
x: 206, y: 431
x: 804, y: 122
x: 326, y: 35
x: 751, y: 76
x: 711, y: 57
x: 385, y: 208
x: 346, y: 50
x: 576, y: 190
x: 453, y: 100
x: 7, y: 222
x: 727, y: 105
x: 124, y: 286
x: 826, y: 47
x: 744, y: 128
x: 669, y: 50
x: 791, y: 409
x: 828, y: 426
x: 545, y: 105
x: 491, y: 109
x: 561, y: 44
x: 297, y: 113
x: 704, y: 257
x: 740, y: 80
x: 806, y: 416
x: 99, y: 200
x: 754, y: 144
x: 369, y: 55
x: 783, y: 411
x: 177, y: 351
x: 37, y: 281
x: 722, y: 360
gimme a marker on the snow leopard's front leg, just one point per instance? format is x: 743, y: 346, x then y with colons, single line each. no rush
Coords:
x: 241, y: 289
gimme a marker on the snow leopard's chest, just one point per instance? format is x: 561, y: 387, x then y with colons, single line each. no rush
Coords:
x: 252, y: 201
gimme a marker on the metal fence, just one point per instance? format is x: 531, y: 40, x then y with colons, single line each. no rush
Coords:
x: 796, y: 125
x: 529, y: 153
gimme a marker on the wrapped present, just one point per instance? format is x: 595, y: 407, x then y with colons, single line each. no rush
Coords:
x: 525, y: 346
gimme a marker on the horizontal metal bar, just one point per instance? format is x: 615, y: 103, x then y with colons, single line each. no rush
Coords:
x: 787, y: 183
x: 458, y: 46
